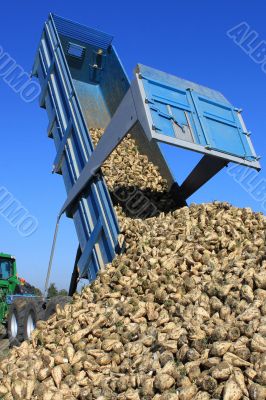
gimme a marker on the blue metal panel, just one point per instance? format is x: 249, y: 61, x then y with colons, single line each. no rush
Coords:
x: 172, y: 111
x: 183, y: 110
x: 221, y: 127
x: 70, y: 114
x: 83, y: 33
x: 168, y: 80
x: 10, y: 298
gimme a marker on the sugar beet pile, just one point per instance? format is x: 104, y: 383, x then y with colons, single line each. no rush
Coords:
x: 180, y: 315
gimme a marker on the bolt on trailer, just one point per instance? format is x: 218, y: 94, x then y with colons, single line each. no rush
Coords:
x: 84, y: 86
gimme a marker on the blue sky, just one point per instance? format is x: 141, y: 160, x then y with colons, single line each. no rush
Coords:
x: 187, y: 39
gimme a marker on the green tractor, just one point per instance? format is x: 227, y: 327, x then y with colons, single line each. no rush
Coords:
x: 20, y: 307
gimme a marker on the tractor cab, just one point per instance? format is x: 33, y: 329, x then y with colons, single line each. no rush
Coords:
x: 8, y: 272
x: 6, y: 268
x: 9, y: 278
x: 8, y: 281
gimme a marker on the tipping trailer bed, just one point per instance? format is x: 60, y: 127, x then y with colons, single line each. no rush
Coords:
x: 85, y: 86
x: 74, y: 103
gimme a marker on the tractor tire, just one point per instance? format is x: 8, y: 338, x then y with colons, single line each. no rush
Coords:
x: 22, y: 317
x: 53, y: 302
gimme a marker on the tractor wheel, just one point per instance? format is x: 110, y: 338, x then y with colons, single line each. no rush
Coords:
x: 33, y: 312
x: 53, y: 302
x: 15, y: 322
x: 22, y: 317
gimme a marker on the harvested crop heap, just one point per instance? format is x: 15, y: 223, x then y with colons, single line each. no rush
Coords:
x: 180, y: 315
x: 133, y: 180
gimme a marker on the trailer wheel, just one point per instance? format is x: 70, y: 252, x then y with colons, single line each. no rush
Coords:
x: 22, y: 317
x: 15, y: 322
x: 33, y: 312
x: 53, y: 302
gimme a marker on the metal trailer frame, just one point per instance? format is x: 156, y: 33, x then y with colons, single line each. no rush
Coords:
x: 84, y: 85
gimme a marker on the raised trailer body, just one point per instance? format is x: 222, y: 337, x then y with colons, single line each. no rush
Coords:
x: 84, y: 86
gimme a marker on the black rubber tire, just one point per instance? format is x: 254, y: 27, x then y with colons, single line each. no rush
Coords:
x: 21, y: 309
x: 34, y: 309
x: 53, y: 302
x: 16, y: 311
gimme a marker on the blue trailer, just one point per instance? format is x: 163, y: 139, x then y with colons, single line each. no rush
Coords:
x: 84, y: 86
